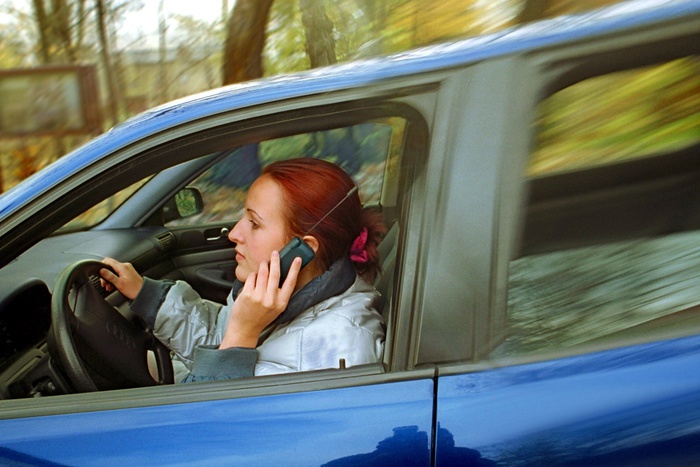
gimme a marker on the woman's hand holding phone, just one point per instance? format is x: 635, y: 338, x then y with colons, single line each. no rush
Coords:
x: 259, y: 302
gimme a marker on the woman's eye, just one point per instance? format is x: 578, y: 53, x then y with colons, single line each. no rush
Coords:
x: 254, y: 224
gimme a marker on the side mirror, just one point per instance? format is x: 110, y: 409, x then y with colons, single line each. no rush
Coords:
x: 186, y: 202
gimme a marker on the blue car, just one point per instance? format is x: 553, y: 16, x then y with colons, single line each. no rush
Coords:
x: 541, y: 271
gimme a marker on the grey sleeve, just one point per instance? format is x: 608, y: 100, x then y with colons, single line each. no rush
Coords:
x: 185, y: 320
x: 211, y: 363
x: 150, y: 298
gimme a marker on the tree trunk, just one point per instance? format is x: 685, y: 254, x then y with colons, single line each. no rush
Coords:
x: 532, y: 11
x: 245, y: 40
x: 63, y: 29
x: 112, y: 88
x: 55, y: 32
x: 80, y: 25
x: 320, y: 44
x: 44, y: 29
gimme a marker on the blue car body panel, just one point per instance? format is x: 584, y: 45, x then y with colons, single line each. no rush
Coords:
x: 309, y: 428
x: 635, y: 405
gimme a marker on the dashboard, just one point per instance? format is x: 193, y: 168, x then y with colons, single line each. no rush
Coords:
x: 24, y: 321
x: 26, y: 369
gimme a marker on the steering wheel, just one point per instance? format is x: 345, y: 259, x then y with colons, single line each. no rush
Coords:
x: 96, y: 346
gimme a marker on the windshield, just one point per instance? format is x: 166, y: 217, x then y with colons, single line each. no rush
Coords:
x: 101, y: 210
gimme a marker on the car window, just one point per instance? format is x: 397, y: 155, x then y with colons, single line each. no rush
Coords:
x: 621, y: 116
x: 611, y: 242
x: 366, y: 151
x: 101, y: 210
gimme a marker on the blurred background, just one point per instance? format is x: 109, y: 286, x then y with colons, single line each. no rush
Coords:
x: 71, y: 69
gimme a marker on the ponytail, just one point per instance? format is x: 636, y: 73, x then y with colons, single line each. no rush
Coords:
x: 364, y: 252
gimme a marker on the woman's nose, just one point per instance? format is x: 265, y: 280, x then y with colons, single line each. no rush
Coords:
x: 235, y: 234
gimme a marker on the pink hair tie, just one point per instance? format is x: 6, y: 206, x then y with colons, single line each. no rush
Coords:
x: 357, y: 251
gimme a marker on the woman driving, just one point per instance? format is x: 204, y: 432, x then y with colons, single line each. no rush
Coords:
x: 321, y: 316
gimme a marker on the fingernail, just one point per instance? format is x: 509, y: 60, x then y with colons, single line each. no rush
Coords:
x: 275, y: 253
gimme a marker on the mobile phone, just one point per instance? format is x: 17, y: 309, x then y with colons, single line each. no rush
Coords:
x: 295, y: 248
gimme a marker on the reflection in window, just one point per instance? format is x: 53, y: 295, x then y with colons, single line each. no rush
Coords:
x: 611, y: 242
x: 100, y: 211
x: 367, y: 151
x: 615, y: 117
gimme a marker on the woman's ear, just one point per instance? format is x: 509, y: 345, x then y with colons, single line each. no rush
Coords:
x: 312, y: 242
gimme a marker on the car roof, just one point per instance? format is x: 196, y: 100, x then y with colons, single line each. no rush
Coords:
x: 542, y: 34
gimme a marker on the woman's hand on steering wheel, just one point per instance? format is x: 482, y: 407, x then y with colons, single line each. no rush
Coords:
x: 96, y: 346
x: 126, y: 280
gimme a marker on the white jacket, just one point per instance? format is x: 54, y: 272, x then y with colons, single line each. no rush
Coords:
x: 345, y: 326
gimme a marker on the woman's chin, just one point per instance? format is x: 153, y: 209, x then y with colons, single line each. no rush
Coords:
x: 241, y: 275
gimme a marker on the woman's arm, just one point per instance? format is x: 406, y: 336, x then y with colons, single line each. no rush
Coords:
x: 258, y: 304
x: 184, y: 321
x: 179, y: 317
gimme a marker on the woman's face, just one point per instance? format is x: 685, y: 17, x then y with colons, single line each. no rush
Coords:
x: 262, y: 228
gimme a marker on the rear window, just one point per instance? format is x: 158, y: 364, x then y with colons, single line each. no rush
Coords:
x: 611, y: 243
x: 621, y: 116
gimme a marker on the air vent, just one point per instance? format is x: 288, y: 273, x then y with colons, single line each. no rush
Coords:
x: 166, y: 241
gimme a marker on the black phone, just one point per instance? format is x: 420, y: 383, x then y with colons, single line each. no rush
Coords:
x: 295, y: 247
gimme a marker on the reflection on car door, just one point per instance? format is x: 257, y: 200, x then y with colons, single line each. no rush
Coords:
x: 345, y: 426
x: 634, y: 406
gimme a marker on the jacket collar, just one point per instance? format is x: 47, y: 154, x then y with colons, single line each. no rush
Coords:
x: 336, y: 280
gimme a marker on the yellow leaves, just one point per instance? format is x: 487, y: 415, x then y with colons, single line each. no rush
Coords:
x: 25, y: 161
x: 422, y: 22
x: 615, y: 117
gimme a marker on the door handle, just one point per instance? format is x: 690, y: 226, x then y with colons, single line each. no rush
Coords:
x: 212, y: 237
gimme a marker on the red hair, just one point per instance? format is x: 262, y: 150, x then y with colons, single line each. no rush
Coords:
x: 311, y: 188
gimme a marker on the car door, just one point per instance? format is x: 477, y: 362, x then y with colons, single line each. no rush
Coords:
x: 233, y: 424
x: 582, y: 347
x: 336, y: 416
x: 636, y: 405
